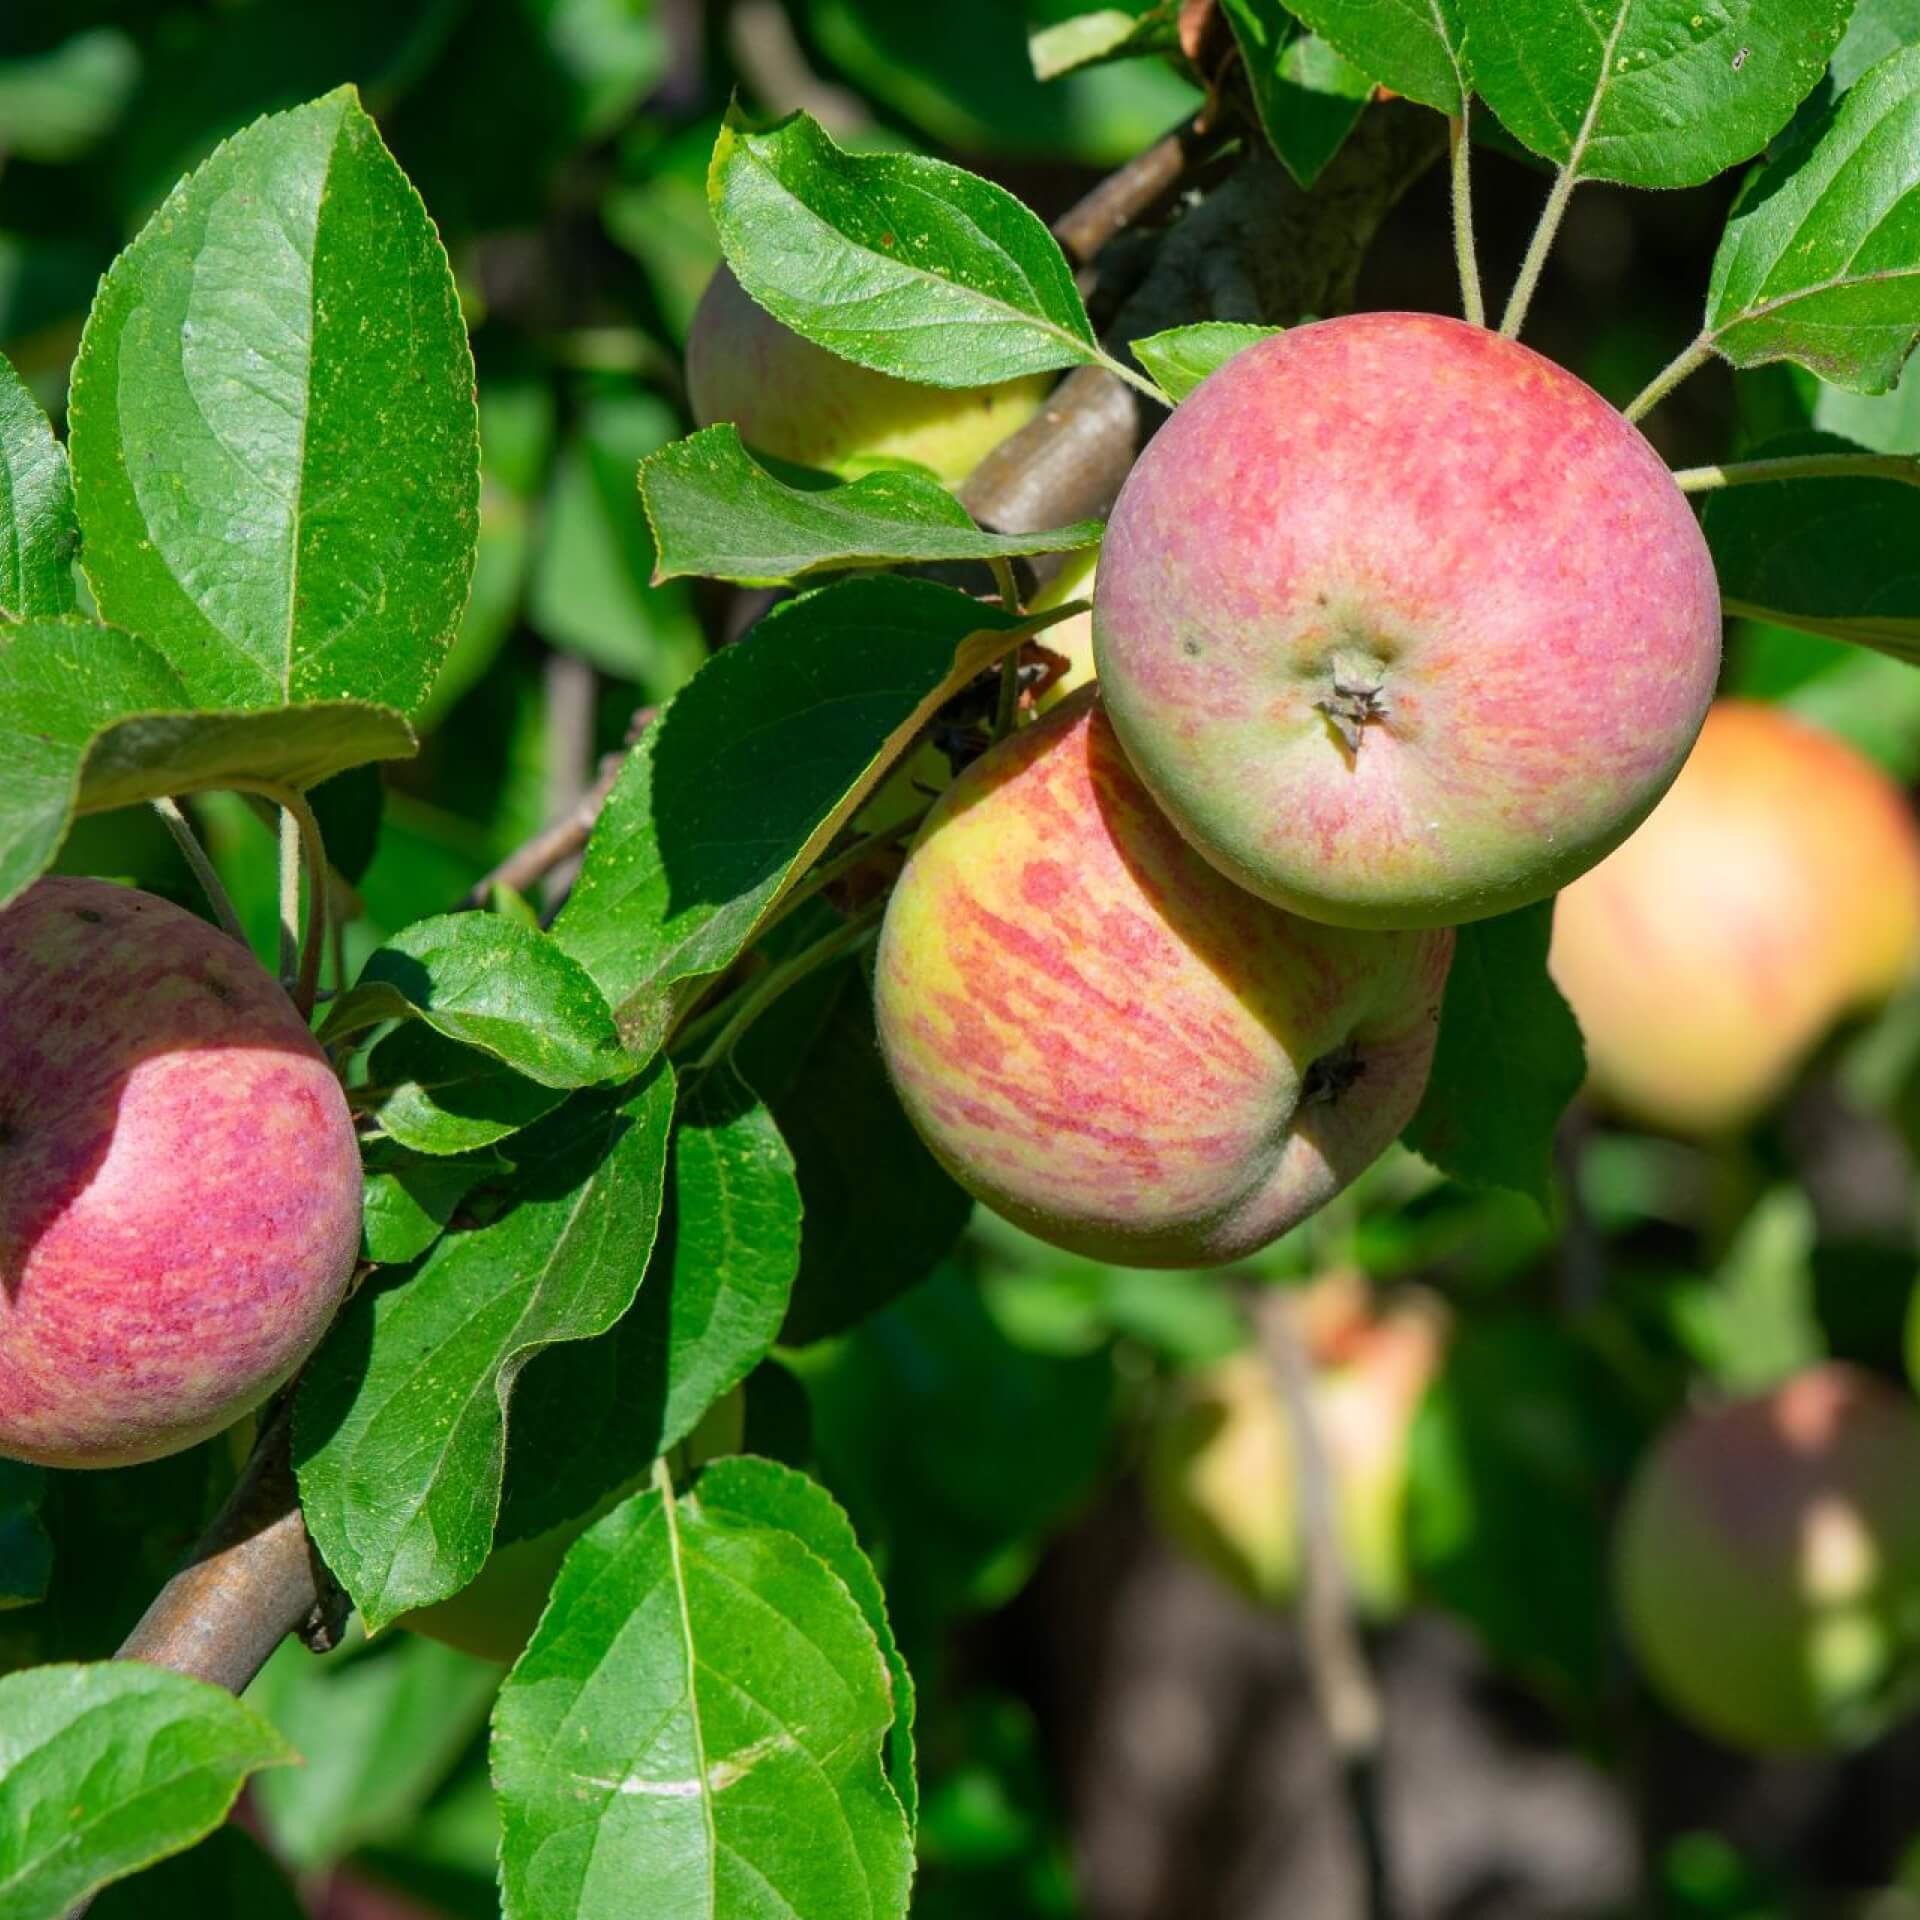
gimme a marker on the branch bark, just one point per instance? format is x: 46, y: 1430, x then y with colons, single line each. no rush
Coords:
x: 1336, y: 1660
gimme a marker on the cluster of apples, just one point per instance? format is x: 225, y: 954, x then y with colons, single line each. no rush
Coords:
x: 1396, y: 625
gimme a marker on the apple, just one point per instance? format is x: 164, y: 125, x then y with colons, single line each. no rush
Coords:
x: 1775, y: 889
x: 1072, y: 638
x: 179, y: 1179
x: 1401, y: 623
x: 1221, y: 1466
x: 1767, y: 1563
x: 799, y: 402
x: 1112, y: 1045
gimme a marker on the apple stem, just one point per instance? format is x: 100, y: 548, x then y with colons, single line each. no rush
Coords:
x: 1336, y: 1660
x: 300, y: 840
x: 1537, y: 250
x: 1696, y: 356
x: 195, y: 855
x: 1801, y: 466
x: 1007, y: 708
x: 1472, y: 301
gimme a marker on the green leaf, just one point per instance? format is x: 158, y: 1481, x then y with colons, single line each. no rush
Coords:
x: 62, y: 683
x: 56, y: 105
x: 595, y: 588
x: 879, y: 1212
x: 1508, y: 1060
x: 227, y: 1876
x: 1515, y: 1468
x: 1875, y: 29
x: 105, y: 1769
x: 903, y: 264
x: 492, y: 984
x: 441, y: 1098
x: 594, y: 1415
x: 272, y: 425
x: 38, y: 534
x: 715, y: 511
x: 84, y: 728
x: 1181, y: 357
x: 952, y: 1447
x: 1416, y: 47
x: 1308, y: 97
x: 1650, y: 93
x: 764, y: 1493
x: 381, y: 1727
x: 408, y: 1199
x: 400, y: 1428
x: 701, y: 1712
x: 696, y: 847
x: 1754, y: 1323
x: 26, y: 1553
x: 1838, y: 557
x: 1109, y: 33
x: 1821, y: 260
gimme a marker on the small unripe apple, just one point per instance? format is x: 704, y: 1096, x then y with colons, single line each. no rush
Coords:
x: 799, y: 402
x: 1111, y: 1044
x: 493, y: 1616
x: 1775, y: 889
x: 1401, y: 623
x: 179, y: 1179
x: 1072, y: 639
x: 1221, y: 1473
x: 1768, y: 1563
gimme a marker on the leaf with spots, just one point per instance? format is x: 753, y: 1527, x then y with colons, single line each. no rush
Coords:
x: 715, y: 511
x: 38, y: 534
x: 702, y: 1711
x: 401, y: 1423
x: 1416, y: 47
x: 106, y: 1768
x: 1509, y: 1058
x: 697, y: 845
x: 1821, y: 260
x: 900, y: 263
x: 274, y: 441
x: 492, y: 984
x: 92, y: 719
x: 1650, y: 93
x: 1181, y: 357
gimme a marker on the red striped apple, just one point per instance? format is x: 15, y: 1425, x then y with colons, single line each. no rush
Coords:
x: 1401, y: 623
x: 1774, y: 889
x: 1112, y: 1045
x: 801, y: 403
x: 179, y: 1179
x: 1768, y: 1563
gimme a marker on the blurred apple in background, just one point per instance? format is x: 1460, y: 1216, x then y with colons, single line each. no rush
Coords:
x: 1767, y: 1563
x: 1221, y: 1467
x: 1774, y: 890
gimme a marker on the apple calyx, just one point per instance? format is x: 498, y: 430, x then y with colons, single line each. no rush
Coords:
x: 1358, y: 696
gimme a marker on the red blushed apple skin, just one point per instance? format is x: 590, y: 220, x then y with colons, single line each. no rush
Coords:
x: 1411, y: 506
x: 179, y: 1179
x: 1113, y: 1046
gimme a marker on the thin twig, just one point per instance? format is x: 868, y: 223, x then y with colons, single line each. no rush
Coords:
x: 526, y: 865
x: 1663, y: 383
x: 1128, y: 194
x: 1904, y: 467
x: 1336, y: 1660
x: 1473, y: 301
x: 195, y: 855
x: 763, y: 992
x: 1007, y: 707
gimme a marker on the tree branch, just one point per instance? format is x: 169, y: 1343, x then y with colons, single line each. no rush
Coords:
x: 252, y: 1579
x: 1336, y: 1660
